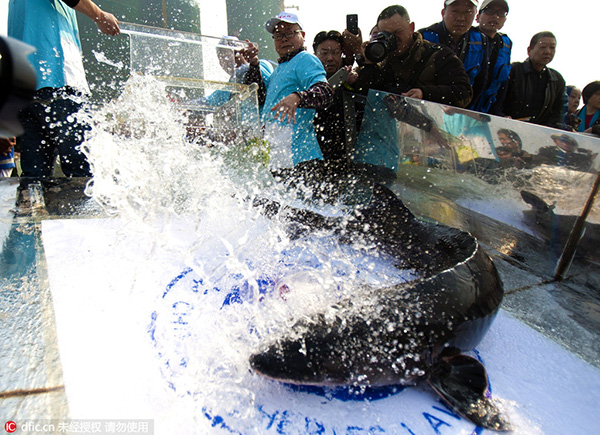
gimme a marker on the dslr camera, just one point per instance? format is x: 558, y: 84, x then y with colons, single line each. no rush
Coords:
x: 383, y: 44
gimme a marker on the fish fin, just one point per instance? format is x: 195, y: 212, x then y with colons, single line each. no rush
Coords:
x: 462, y: 382
x: 537, y: 203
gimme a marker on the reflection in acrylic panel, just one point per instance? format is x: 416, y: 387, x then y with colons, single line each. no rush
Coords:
x: 533, y: 178
x: 169, y: 53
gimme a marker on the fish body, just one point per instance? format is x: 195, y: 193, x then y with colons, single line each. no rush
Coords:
x: 403, y: 333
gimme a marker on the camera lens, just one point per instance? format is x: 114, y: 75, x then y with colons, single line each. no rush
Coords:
x: 375, y: 52
x: 383, y: 44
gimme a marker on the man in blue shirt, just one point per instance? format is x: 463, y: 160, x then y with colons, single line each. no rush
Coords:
x: 297, y: 87
x: 468, y: 43
x: 50, y: 127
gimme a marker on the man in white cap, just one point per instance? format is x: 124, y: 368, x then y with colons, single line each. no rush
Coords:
x: 491, y: 18
x: 297, y: 87
x: 469, y: 44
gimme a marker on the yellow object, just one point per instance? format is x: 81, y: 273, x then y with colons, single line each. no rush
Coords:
x: 466, y: 153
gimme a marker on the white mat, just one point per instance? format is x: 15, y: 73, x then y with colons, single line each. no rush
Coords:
x: 111, y: 293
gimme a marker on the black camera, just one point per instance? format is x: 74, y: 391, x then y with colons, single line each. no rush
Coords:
x: 17, y: 84
x: 382, y: 45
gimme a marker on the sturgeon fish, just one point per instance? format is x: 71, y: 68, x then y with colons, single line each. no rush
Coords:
x: 404, y: 333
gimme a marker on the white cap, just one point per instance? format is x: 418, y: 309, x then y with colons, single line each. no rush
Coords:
x: 486, y: 3
x: 449, y: 2
x: 286, y: 17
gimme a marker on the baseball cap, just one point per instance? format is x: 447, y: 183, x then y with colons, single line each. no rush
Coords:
x: 286, y: 17
x: 449, y: 2
x: 486, y: 3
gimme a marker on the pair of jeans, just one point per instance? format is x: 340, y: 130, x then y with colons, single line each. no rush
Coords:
x: 52, y: 128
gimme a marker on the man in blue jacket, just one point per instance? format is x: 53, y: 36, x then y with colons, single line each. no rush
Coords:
x: 468, y: 43
x: 491, y: 18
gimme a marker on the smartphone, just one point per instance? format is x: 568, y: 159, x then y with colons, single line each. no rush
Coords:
x: 352, y: 23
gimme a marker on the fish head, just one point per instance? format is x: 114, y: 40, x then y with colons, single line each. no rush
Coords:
x: 307, y: 360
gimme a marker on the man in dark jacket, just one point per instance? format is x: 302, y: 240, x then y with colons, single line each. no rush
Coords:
x: 416, y: 68
x: 536, y: 93
x: 329, y: 121
x: 455, y: 31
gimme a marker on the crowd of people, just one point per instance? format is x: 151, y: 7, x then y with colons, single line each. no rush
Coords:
x: 451, y: 62
x: 302, y: 99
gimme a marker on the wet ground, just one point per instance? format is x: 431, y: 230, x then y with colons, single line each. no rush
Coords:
x: 31, y: 383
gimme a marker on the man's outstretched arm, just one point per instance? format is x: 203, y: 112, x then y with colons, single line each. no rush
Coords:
x: 106, y: 22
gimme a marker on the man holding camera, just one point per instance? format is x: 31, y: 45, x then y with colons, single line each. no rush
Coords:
x: 400, y: 61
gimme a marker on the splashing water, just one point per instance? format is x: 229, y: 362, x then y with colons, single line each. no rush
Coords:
x: 242, y: 278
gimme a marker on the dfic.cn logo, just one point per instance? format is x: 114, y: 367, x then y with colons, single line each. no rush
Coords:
x: 10, y: 426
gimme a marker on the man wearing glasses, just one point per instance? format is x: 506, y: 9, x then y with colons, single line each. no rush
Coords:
x: 469, y: 44
x: 297, y: 87
x: 491, y: 18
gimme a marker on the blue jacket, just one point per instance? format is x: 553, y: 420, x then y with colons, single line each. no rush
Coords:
x: 8, y: 162
x: 492, y: 98
x: 472, y: 49
x: 582, y: 114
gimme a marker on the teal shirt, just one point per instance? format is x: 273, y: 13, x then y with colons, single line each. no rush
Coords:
x: 44, y: 24
x: 377, y: 142
x: 477, y: 133
x: 298, y: 74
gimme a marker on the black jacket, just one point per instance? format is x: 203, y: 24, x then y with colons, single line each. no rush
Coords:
x: 329, y: 127
x: 520, y: 94
x: 433, y: 68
